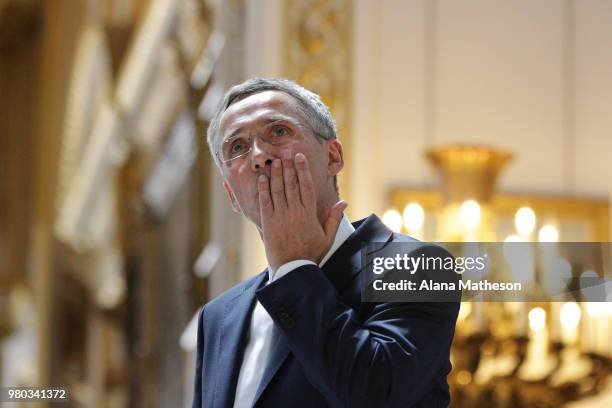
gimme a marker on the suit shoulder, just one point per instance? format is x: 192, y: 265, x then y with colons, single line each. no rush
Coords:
x: 397, y: 237
x: 218, y: 303
x: 431, y: 248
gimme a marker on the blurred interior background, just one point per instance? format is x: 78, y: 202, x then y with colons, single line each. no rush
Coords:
x: 460, y: 121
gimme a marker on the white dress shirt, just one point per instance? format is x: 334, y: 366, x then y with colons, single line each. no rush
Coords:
x: 257, y: 350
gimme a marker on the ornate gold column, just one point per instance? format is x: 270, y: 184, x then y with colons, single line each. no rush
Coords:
x: 62, y: 23
x: 318, y: 52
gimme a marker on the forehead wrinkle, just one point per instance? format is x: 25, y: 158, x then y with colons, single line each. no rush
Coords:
x: 272, y: 100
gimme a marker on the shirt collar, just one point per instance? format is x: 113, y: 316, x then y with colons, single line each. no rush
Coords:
x: 345, y: 229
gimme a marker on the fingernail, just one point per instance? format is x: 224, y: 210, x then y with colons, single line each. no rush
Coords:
x: 287, y: 155
x: 276, y: 163
x: 262, y: 178
x: 300, y: 158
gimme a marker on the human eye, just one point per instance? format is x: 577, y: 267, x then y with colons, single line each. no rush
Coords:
x: 280, y: 132
x: 235, y: 147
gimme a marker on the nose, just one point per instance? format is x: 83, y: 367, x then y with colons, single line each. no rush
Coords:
x: 261, y: 156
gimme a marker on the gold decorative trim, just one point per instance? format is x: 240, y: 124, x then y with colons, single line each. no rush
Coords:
x: 317, y: 54
x: 469, y: 171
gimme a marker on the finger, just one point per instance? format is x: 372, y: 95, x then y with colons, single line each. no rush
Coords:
x: 277, y: 189
x: 305, y: 181
x: 266, y: 206
x: 292, y: 189
x: 333, y: 220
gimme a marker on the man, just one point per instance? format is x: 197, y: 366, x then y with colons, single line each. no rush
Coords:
x: 298, y: 334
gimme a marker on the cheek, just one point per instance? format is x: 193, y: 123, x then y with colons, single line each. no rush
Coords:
x: 238, y: 174
x: 242, y: 182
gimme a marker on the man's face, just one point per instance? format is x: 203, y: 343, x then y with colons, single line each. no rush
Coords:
x: 262, y: 117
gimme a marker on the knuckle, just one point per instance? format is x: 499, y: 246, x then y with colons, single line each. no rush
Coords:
x: 264, y: 200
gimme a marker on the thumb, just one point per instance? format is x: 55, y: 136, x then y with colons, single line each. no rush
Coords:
x: 334, y: 218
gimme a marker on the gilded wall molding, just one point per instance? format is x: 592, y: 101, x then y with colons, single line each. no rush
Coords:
x: 317, y: 54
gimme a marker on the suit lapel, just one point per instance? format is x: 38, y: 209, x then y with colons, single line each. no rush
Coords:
x: 238, y: 312
x: 340, y: 269
x: 346, y: 263
x: 278, y: 353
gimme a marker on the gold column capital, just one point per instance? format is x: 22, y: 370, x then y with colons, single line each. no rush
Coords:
x: 469, y: 171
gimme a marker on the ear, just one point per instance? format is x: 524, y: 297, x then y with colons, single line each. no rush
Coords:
x: 336, y: 157
x: 232, y: 197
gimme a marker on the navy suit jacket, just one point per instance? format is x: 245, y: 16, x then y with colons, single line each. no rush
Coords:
x: 330, y: 349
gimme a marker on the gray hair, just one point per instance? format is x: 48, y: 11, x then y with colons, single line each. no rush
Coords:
x: 309, y: 105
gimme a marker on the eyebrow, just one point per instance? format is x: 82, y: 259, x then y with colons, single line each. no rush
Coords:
x: 267, y: 121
